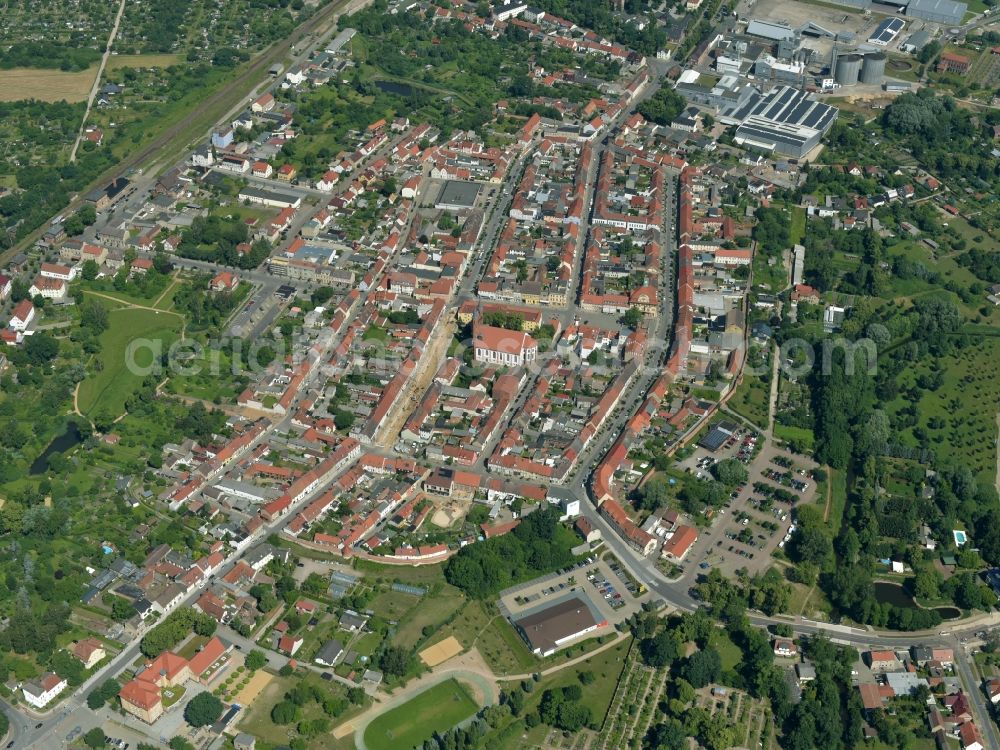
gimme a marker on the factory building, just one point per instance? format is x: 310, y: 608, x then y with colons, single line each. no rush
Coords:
x: 785, y: 121
x: 886, y: 32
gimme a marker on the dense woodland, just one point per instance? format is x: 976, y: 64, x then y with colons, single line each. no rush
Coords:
x: 535, y: 547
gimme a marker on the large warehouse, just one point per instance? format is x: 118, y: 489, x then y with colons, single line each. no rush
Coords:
x: 938, y: 11
x: 550, y: 628
x: 785, y: 121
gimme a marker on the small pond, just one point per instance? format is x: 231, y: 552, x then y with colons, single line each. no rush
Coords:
x: 69, y: 439
x: 393, y: 87
x: 897, y: 596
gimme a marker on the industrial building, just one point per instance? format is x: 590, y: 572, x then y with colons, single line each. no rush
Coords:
x: 886, y: 32
x: 786, y: 121
x: 916, y: 41
x: 769, y: 30
x: 549, y: 628
x: 270, y: 198
x: 457, y: 195
x: 938, y: 11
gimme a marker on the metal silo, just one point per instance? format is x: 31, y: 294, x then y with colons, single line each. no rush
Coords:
x: 848, y: 69
x: 873, y: 68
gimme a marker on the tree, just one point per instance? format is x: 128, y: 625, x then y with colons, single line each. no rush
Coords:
x: 121, y: 608
x: 632, y: 317
x: 98, y: 697
x: 667, y: 736
x: 702, y: 667
x: 731, y: 472
x: 660, y: 650
x: 179, y: 743
x: 255, y: 660
x: 94, y: 738
x: 284, y: 712
x: 395, y: 661
x: 653, y: 494
x: 202, y: 710
x: 88, y: 272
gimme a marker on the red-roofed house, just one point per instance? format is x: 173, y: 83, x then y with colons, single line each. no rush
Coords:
x: 142, y: 699
x: 210, y: 662
x: 89, y: 651
x: 224, y: 281
x: 289, y: 644
x: 677, y: 546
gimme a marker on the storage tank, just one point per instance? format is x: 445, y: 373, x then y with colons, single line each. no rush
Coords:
x: 873, y: 68
x: 848, y: 69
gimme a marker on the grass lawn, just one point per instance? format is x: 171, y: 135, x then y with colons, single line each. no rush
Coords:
x: 392, y: 605
x: 257, y: 718
x: 411, y: 626
x: 606, y: 667
x: 787, y: 432
x: 728, y: 651
x: 838, y: 497
x: 435, y: 710
x: 108, y: 389
x: 366, y: 644
x: 423, y: 575
x: 495, y: 638
x: 191, y: 647
x: 47, y: 84
x: 142, y: 61
x: 750, y: 400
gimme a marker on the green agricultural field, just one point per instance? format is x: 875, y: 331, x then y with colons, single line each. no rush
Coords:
x: 435, y: 710
x: 107, y: 389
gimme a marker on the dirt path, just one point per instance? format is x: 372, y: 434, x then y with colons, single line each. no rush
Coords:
x: 132, y: 305
x: 156, y: 302
x: 829, y: 496
x: 619, y: 637
x: 97, y: 80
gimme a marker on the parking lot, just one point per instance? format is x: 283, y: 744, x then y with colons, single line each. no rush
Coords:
x: 595, y: 580
x: 758, y: 518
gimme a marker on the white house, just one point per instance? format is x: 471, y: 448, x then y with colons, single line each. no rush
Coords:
x: 56, y: 271
x: 22, y: 316
x: 327, y: 181
x: 48, y: 288
x: 39, y: 693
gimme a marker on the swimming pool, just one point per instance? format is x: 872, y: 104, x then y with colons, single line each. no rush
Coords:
x: 960, y: 537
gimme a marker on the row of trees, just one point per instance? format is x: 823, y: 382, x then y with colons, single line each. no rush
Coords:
x: 176, y: 627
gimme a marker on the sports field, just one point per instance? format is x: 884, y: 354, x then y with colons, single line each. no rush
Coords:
x: 109, y: 387
x: 435, y: 710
